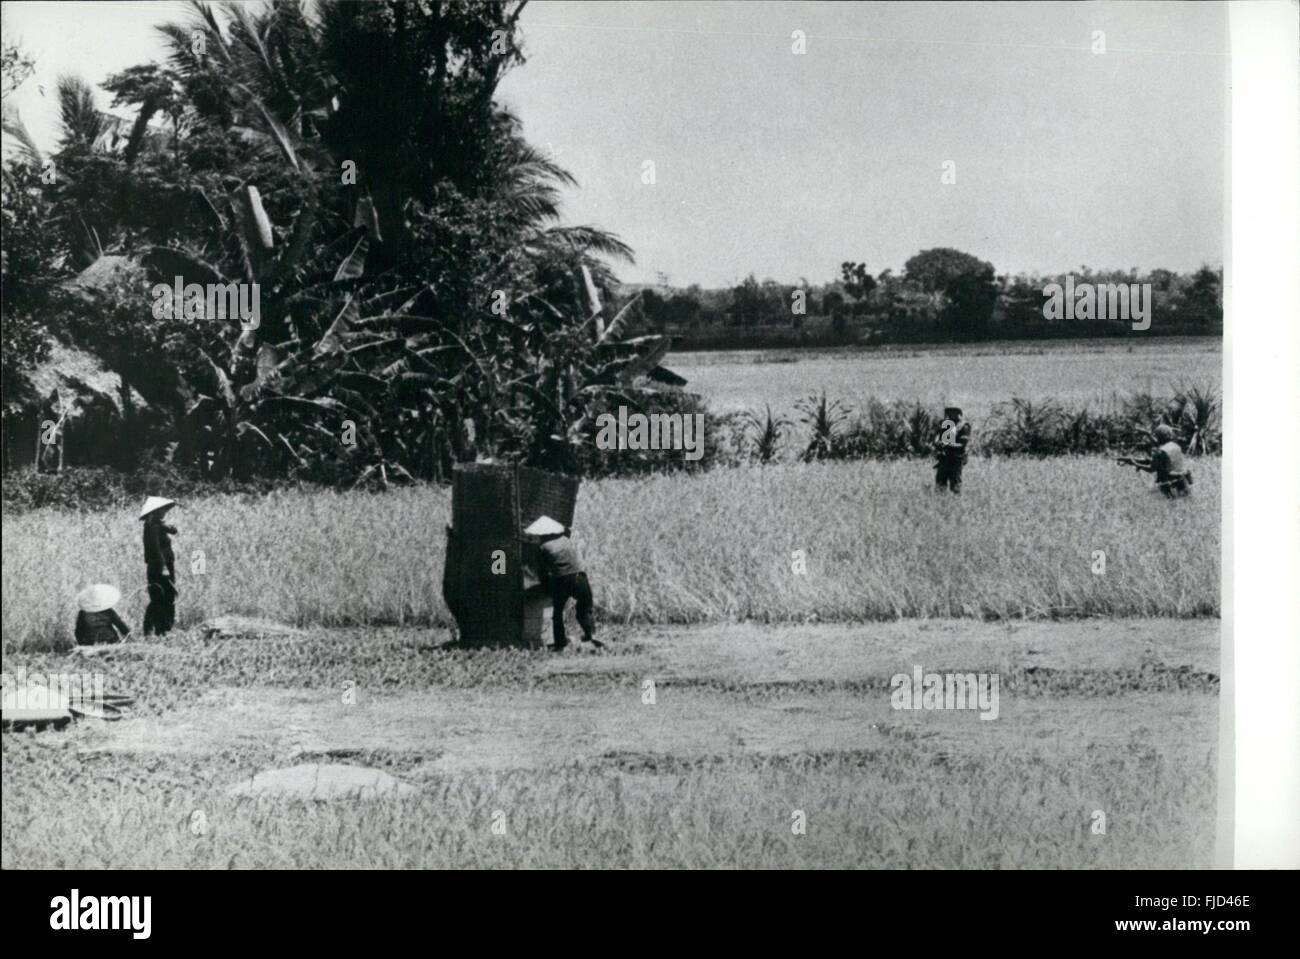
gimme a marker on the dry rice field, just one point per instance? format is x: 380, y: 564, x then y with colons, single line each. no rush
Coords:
x: 878, y: 544
x: 751, y: 729
x: 766, y: 608
x: 1076, y: 372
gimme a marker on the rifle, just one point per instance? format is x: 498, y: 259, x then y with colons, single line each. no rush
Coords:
x: 1139, y: 465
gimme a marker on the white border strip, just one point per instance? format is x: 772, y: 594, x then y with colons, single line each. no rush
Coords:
x: 1261, y: 676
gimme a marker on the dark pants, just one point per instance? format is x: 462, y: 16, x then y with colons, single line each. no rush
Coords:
x: 947, y: 473
x: 1176, y: 486
x: 160, y: 614
x: 562, y: 587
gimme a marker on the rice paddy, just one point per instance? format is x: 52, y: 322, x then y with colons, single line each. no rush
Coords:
x: 1075, y: 372
x: 876, y: 542
x: 768, y: 608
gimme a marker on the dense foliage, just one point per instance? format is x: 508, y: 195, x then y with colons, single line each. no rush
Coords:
x: 420, y: 302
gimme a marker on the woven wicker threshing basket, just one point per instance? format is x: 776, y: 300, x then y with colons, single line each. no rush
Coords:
x: 491, y: 504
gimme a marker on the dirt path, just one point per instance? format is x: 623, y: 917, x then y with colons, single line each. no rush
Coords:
x: 737, y: 689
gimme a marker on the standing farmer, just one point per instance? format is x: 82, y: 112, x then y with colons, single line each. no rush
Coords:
x: 160, y: 566
x: 561, y: 566
x: 950, y: 449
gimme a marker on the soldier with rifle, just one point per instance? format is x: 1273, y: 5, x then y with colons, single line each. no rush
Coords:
x: 950, y: 449
x: 1173, y: 475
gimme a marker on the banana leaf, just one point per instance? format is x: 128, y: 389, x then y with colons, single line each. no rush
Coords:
x: 355, y: 263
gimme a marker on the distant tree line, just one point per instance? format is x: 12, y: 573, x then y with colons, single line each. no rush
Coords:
x: 942, y: 295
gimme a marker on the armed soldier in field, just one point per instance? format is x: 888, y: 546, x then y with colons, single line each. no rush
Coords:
x: 1167, y: 461
x: 950, y: 449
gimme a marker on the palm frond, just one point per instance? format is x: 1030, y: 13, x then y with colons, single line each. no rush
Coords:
x: 13, y: 125
x: 80, y: 120
x: 585, y: 239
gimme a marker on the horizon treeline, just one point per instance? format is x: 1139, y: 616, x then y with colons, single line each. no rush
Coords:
x: 941, y: 295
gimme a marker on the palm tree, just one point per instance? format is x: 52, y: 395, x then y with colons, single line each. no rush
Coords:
x: 371, y: 318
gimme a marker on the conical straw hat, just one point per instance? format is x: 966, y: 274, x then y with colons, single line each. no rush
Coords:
x: 97, y: 598
x: 544, y: 526
x: 153, y: 504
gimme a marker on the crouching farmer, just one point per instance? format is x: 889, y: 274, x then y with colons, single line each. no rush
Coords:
x: 97, y: 621
x: 563, y: 572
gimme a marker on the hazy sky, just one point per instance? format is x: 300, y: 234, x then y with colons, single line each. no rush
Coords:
x: 784, y: 165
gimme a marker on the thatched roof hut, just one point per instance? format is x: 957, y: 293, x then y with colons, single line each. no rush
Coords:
x: 73, y: 386
x: 80, y: 378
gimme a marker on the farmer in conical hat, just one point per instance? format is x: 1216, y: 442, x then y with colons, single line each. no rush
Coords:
x: 950, y: 449
x: 97, y: 621
x: 562, y: 568
x: 160, y: 566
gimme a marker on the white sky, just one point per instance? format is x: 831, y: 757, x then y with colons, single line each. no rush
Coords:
x: 786, y: 165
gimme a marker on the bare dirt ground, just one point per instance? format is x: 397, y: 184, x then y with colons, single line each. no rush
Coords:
x: 732, y: 689
x: 749, y: 726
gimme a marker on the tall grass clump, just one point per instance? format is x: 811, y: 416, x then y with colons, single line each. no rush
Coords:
x: 762, y: 436
x: 889, y: 431
x: 824, y: 420
x: 900, y: 429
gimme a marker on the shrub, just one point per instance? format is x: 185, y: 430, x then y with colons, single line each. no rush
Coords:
x: 825, y: 420
x: 889, y: 431
x: 718, y: 439
x: 1027, y: 427
x: 98, y: 487
x: 1020, y: 427
x: 762, y: 437
x: 1197, y: 413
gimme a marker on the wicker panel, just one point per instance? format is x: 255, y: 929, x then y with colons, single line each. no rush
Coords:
x: 491, y: 603
x: 483, y: 500
x: 491, y: 504
x: 546, y: 494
